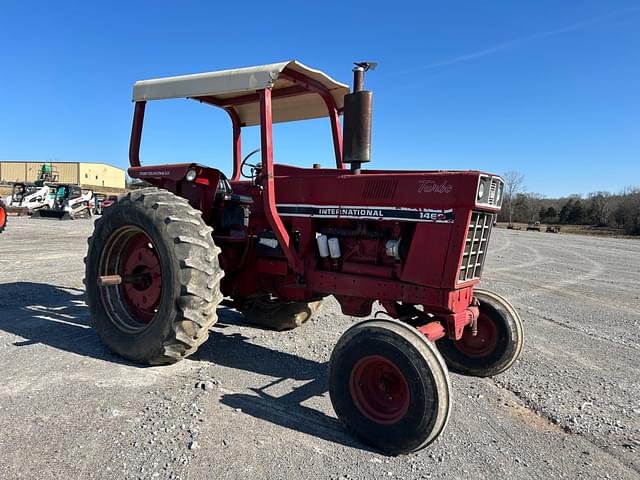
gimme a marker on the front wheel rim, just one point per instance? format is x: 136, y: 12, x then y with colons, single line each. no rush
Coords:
x: 379, y: 390
x: 133, y: 305
x: 482, y: 344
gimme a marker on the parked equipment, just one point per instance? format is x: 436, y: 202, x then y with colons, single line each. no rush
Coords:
x: 553, y: 229
x: 69, y: 202
x: 534, y: 226
x: 104, y: 202
x: 48, y: 174
x: 3, y: 216
x: 26, y: 199
x: 161, y: 259
x: 98, y: 198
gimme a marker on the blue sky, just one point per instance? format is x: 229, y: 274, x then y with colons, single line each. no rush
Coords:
x: 548, y: 88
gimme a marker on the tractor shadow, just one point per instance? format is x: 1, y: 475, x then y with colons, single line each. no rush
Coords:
x: 287, y: 410
x: 51, y: 315
x: 58, y: 316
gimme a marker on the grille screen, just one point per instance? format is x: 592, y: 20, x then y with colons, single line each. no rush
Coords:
x: 492, y: 191
x: 475, y: 246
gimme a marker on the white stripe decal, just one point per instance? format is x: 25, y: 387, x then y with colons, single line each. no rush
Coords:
x: 366, y: 213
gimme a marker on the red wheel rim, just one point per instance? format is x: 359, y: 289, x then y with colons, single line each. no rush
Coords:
x: 484, y: 343
x: 379, y: 389
x: 143, y: 296
x: 3, y: 216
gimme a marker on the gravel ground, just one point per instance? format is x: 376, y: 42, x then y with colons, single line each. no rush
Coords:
x: 253, y: 403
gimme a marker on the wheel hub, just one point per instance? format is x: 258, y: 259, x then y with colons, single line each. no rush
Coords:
x: 379, y: 389
x: 484, y: 342
x: 130, y: 279
x: 383, y: 385
x: 141, y: 260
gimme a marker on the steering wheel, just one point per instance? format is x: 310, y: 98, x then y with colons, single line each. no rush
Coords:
x: 254, y: 166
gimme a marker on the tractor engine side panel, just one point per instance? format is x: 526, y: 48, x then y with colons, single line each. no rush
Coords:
x: 433, y: 258
x: 427, y: 254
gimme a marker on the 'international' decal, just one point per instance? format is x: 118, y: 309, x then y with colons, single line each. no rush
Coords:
x: 367, y: 213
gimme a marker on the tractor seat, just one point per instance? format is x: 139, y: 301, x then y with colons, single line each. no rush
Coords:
x: 225, y: 192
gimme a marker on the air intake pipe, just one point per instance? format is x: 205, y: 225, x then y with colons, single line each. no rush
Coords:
x: 356, y: 135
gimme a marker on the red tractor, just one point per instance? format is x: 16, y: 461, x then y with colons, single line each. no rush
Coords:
x: 3, y: 216
x: 275, y: 244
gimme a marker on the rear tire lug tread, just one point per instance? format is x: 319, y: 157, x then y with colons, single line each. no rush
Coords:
x: 190, y: 240
x: 197, y: 265
x: 186, y: 221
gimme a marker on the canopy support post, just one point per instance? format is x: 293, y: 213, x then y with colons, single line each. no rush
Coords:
x: 237, y: 143
x: 136, y: 134
x: 268, y: 184
x: 332, y: 109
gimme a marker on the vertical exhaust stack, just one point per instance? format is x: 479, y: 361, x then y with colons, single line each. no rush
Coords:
x: 358, y: 105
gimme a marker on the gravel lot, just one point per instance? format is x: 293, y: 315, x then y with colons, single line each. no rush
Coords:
x: 254, y: 403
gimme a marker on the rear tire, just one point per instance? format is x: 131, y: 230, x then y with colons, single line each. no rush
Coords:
x: 497, y: 345
x: 276, y: 314
x: 165, y: 315
x: 389, y: 386
x: 3, y: 216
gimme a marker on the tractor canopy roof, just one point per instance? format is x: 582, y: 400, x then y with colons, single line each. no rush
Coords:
x: 294, y: 86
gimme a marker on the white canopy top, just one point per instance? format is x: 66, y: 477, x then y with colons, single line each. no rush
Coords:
x: 216, y: 87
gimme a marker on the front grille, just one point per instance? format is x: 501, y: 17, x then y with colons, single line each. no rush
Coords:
x: 475, y: 246
x: 491, y: 189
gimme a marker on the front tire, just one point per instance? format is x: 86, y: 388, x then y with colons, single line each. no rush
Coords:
x: 389, y: 386
x: 163, y: 312
x: 497, y: 345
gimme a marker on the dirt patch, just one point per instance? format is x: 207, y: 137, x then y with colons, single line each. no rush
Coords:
x: 521, y: 412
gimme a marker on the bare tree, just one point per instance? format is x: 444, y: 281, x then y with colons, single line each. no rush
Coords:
x: 600, y: 202
x: 534, y: 203
x: 513, y: 184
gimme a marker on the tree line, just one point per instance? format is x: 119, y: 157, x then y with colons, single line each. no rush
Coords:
x: 601, y: 209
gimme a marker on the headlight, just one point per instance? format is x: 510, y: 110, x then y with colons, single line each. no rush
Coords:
x: 499, y: 194
x: 191, y: 175
x: 480, y: 190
